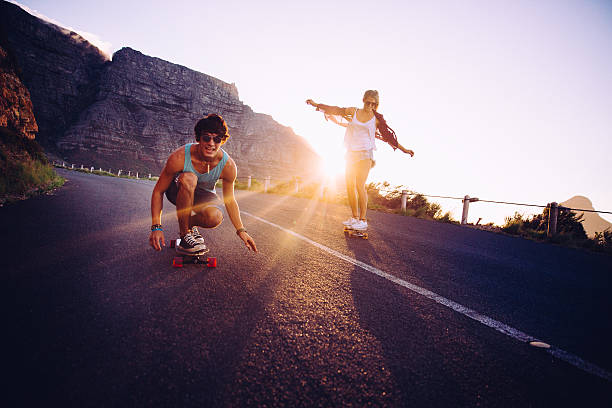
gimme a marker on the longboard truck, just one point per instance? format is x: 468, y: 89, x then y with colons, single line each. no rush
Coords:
x: 196, y: 258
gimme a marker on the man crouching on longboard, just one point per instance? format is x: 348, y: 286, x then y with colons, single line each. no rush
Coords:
x: 189, y: 179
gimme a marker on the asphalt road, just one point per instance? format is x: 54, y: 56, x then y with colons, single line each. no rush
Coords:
x: 95, y: 317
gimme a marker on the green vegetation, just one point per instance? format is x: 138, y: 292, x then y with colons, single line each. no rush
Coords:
x: 25, y: 169
x: 311, y: 190
x: 256, y: 185
x: 381, y: 196
x: 570, y: 231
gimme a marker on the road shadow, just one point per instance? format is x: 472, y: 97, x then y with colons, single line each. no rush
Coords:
x: 362, y: 249
x: 439, y: 358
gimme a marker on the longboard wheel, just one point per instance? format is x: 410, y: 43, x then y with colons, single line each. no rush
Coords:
x: 211, y: 262
x: 177, y: 262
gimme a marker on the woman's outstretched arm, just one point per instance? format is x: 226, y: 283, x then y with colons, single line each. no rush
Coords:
x: 329, y: 109
x: 403, y: 149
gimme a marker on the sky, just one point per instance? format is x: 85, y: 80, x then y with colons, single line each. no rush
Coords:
x: 501, y: 100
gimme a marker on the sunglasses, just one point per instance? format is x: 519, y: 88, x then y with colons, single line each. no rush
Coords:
x: 370, y: 103
x: 206, y: 138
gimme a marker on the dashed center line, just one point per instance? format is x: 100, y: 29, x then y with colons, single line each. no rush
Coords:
x: 472, y: 314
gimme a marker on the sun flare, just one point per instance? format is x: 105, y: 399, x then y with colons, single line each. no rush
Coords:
x: 333, y: 163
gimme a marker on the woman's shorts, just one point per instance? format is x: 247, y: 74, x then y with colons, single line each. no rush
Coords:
x: 201, y: 198
x: 354, y: 156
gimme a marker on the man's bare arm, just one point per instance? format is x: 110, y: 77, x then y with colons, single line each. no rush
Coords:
x: 228, y: 177
x: 156, y: 238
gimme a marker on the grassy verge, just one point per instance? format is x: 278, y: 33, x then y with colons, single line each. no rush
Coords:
x: 25, y: 169
x: 385, y: 198
x: 570, y: 231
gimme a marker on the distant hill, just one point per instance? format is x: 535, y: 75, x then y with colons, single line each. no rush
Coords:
x: 592, y: 222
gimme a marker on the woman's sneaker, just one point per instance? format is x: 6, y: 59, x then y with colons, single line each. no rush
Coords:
x: 190, y: 244
x: 360, y: 225
x: 349, y: 223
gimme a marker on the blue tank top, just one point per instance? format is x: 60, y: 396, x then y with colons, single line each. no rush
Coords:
x: 208, y: 180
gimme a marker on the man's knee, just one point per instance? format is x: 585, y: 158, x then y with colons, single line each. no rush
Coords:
x: 187, y: 181
x: 216, y: 216
x: 212, y: 217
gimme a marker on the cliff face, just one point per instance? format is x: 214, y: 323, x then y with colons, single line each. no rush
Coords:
x: 133, y: 111
x: 147, y: 107
x: 16, y: 113
x: 59, y: 68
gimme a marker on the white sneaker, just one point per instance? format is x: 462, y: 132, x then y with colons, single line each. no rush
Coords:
x: 350, y: 222
x: 191, y: 245
x: 360, y: 225
x: 196, y: 234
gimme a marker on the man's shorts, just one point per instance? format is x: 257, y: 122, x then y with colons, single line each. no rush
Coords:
x: 201, y: 198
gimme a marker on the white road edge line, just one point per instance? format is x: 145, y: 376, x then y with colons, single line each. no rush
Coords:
x: 472, y: 314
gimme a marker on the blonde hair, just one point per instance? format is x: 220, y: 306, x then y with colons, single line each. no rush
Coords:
x: 371, y: 93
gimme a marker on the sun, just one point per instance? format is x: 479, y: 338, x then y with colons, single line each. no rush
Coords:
x: 332, y: 161
x: 326, y: 138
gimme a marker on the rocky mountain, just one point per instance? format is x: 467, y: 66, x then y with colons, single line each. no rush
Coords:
x: 16, y: 114
x: 591, y: 222
x: 133, y: 111
x: 59, y: 68
x: 23, y: 165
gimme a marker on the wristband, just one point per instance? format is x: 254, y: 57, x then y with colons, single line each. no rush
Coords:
x: 239, y: 230
x: 156, y: 227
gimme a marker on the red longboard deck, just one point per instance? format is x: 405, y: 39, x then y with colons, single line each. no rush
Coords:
x: 197, y: 258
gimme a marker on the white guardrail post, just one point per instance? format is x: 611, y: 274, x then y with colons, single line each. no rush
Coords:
x: 267, y: 184
x: 249, y: 183
x: 466, y: 206
x: 404, y: 199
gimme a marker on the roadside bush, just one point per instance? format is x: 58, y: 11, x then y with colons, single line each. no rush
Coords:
x: 24, y: 167
x: 256, y: 185
x: 603, y: 240
x: 514, y: 224
x: 570, y: 231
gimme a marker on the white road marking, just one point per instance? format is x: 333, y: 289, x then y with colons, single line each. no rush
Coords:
x: 472, y: 314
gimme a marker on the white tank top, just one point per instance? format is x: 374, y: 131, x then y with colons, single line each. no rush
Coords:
x: 360, y: 135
